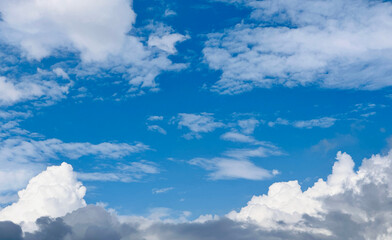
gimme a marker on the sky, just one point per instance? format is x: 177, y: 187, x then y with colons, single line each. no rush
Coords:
x: 199, y: 119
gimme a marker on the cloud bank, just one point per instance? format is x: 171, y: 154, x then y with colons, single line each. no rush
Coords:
x: 349, y: 204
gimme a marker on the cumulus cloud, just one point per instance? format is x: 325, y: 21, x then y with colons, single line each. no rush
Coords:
x: 349, y: 204
x: 41, y: 27
x: 54, y: 193
x: 331, y: 44
x: 358, y: 199
x: 97, y: 32
x: 198, y: 123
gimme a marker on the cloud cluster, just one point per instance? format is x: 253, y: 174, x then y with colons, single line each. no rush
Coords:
x: 22, y: 158
x: 331, y: 44
x: 349, y: 204
x: 54, y: 192
x: 97, y: 34
x: 33, y: 88
x: 197, y: 123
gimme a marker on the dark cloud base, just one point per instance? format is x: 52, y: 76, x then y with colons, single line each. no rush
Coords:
x: 95, y: 223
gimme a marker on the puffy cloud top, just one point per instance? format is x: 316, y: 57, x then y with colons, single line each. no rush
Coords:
x: 54, y: 193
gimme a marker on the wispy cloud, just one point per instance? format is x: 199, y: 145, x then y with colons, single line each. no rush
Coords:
x: 334, y: 44
x: 324, y: 122
x: 236, y: 164
x: 197, y: 124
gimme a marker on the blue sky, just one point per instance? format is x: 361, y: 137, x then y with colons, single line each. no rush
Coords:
x: 190, y: 105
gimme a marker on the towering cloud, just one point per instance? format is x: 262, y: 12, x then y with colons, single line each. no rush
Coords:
x: 54, y: 193
x: 349, y: 204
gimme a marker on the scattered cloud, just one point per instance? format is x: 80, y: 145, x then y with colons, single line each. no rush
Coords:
x: 235, y: 164
x: 238, y: 137
x: 155, y: 118
x: 162, y: 190
x: 23, y: 158
x: 324, y: 122
x: 198, y: 123
x: 12, y: 92
x: 349, y: 204
x: 334, y: 44
x: 156, y: 128
x: 102, y: 47
x: 248, y: 125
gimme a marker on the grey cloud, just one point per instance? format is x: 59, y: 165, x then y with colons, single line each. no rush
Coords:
x: 10, y: 231
x: 95, y: 223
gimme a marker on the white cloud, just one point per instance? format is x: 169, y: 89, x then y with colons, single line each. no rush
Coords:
x: 278, y: 121
x: 162, y: 190
x: 235, y: 136
x: 324, y: 122
x: 23, y: 158
x: 97, y: 31
x: 155, y: 118
x: 167, y: 42
x: 226, y: 168
x: 238, y: 137
x: 54, y: 192
x: 13, y: 114
x: 20, y: 150
x: 236, y: 164
x: 42, y: 27
x: 248, y: 125
x: 156, y: 128
x: 333, y: 44
x: 198, y: 123
x: 61, y: 73
x: 345, y: 191
x: 12, y: 92
x: 130, y: 172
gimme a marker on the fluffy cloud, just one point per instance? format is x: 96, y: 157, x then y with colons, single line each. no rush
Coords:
x: 198, y: 123
x: 349, y: 204
x: 332, y: 44
x: 54, y: 192
x: 359, y: 198
x: 41, y: 27
x: 99, y: 32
